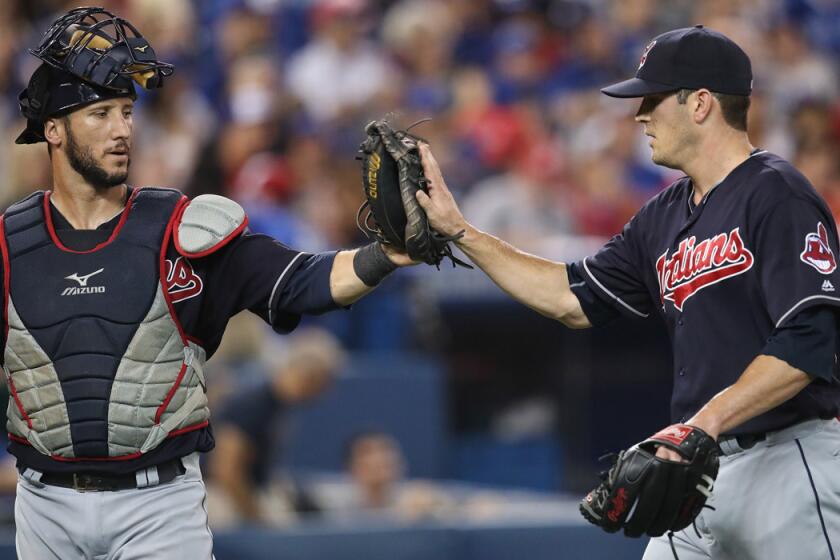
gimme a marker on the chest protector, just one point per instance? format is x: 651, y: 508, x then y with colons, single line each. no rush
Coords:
x: 95, y: 358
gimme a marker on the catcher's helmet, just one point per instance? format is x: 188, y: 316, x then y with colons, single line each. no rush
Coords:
x: 88, y: 55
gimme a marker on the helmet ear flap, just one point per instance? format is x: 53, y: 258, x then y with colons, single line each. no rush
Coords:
x: 35, y: 98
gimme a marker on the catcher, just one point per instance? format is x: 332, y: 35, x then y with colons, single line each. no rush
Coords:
x: 114, y: 297
x: 738, y: 258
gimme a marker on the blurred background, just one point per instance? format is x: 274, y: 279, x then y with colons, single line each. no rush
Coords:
x: 436, y: 419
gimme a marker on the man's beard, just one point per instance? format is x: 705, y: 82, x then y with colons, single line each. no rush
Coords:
x: 82, y: 160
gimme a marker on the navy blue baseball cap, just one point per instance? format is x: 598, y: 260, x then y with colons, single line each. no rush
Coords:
x: 689, y: 58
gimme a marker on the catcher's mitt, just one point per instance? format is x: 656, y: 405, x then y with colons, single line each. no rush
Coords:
x: 392, y: 172
x: 644, y: 494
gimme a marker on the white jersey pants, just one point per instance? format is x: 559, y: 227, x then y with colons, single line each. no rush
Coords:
x: 167, y: 521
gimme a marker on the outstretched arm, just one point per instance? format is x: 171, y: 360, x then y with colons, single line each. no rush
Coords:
x: 347, y: 287
x: 541, y: 284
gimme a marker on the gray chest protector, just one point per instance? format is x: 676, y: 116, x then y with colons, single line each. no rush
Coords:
x: 95, y: 359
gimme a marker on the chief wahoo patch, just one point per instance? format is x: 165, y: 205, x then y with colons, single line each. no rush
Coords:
x: 817, y: 252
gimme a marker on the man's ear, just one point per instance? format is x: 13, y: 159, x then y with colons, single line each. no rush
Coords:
x: 703, y: 100
x: 54, y: 131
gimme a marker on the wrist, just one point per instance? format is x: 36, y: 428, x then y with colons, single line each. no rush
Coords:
x: 372, y: 265
x: 470, y: 235
x: 706, y: 423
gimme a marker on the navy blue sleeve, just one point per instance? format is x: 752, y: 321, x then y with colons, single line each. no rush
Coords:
x: 796, y: 248
x: 614, y: 273
x: 308, y: 288
x: 807, y: 341
x: 598, y: 310
x: 245, y: 274
x: 254, y: 272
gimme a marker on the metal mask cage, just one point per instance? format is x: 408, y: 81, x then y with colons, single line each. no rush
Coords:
x: 109, y: 52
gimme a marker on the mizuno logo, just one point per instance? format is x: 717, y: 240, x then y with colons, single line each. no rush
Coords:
x: 697, y: 265
x: 141, y: 49
x: 83, y: 280
x: 83, y: 287
x: 74, y: 291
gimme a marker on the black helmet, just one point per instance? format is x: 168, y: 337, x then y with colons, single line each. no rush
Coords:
x: 89, y: 55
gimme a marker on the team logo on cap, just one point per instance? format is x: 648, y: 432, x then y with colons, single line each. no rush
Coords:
x: 694, y: 266
x: 817, y: 252
x: 645, y: 54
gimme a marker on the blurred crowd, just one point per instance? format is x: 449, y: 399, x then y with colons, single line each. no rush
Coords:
x: 270, y: 98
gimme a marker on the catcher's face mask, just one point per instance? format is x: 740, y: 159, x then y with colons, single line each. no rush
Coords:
x: 89, y: 55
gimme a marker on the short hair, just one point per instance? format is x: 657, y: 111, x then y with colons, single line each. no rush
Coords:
x: 733, y: 107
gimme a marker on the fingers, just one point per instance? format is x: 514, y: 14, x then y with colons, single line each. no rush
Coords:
x: 431, y: 169
x: 423, y: 199
x: 669, y: 455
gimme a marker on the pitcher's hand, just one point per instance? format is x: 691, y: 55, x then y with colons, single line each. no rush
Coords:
x: 440, y: 206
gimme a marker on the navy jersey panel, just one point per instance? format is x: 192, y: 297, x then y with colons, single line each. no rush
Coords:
x: 722, y: 275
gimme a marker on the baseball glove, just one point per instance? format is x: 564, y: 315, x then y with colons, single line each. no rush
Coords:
x: 392, y: 172
x: 644, y: 494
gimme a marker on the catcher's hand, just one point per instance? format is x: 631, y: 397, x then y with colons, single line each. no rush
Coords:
x: 644, y: 494
x: 392, y: 173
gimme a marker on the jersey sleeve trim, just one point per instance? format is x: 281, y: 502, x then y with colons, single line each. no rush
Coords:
x: 275, y: 290
x: 798, y: 306
x: 612, y: 295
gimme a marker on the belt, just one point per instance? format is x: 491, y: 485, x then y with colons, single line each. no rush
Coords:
x: 102, y: 482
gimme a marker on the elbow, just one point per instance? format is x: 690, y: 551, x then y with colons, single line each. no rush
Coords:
x: 572, y: 317
x: 569, y: 312
x: 574, y: 321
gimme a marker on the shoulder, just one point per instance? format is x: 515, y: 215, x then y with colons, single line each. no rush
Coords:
x: 674, y: 196
x: 676, y: 193
x: 774, y: 182
x: 778, y: 179
x: 207, y: 223
x: 33, y: 200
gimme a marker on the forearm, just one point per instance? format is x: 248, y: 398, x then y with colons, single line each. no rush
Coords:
x: 345, y: 286
x: 765, y: 384
x: 539, y: 283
